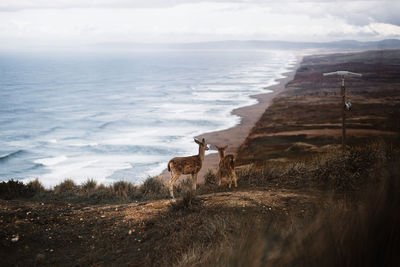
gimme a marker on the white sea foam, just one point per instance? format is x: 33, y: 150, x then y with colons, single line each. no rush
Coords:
x: 51, y: 161
x: 84, y: 144
x: 100, y: 168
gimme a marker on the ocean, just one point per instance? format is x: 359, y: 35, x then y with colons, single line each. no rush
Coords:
x: 120, y: 116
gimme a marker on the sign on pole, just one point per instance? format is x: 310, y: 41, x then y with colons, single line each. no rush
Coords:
x: 345, y: 105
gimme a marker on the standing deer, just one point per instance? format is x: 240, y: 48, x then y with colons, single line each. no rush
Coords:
x: 186, y: 165
x: 226, y: 167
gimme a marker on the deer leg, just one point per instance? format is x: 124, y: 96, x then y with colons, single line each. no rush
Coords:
x: 230, y: 181
x: 194, y: 181
x: 234, y: 178
x: 174, y: 177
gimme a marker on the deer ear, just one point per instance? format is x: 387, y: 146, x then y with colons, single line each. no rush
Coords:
x: 203, y: 141
x: 217, y: 147
x: 197, y: 141
x: 225, y: 147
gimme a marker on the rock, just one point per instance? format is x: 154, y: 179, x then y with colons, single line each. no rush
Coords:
x: 15, y: 238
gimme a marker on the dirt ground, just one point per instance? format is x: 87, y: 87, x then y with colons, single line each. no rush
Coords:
x: 136, y: 234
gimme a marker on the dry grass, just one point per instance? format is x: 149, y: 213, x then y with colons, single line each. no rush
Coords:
x: 14, y: 189
x: 92, y: 193
x: 89, y: 186
x: 332, y: 170
x: 123, y: 190
x: 210, y: 179
x: 246, y: 227
x: 361, y: 233
x: 326, y: 171
x: 36, y: 187
x: 67, y: 186
x: 362, y: 230
x: 153, y: 188
x: 189, y: 202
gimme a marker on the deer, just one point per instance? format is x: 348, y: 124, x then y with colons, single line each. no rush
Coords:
x: 186, y: 165
x: 226, y: 167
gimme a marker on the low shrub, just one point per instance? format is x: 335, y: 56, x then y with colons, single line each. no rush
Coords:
x: 332, y: 170
x: 182, y: 186
x: 189, y: 202
x: 343, y: 172
x: 36, y: 187
x: 210, y: 179
x: 250, y: 176
x: 102, y: 194
x: 66, y: 186
x: 153, y: 188
x: 89, y: 186
x: 124, y: 190
x: 14, y: 189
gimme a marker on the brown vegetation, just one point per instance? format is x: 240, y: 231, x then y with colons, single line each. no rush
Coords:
x: 272, y: 219
x: 309, y: 110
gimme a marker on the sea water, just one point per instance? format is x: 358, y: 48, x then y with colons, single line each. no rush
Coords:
x: 120, y: 116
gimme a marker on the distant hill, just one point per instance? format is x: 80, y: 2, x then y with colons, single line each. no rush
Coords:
x: 256, y: 44
x: 345, y: 44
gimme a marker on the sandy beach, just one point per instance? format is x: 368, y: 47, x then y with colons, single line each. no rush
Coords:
x: 235, y: 136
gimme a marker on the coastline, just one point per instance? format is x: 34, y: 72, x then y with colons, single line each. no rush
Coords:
x: 235, y: 136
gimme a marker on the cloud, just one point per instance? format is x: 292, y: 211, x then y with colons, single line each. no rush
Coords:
x: 356, y: 12
x: 63, y: 4
x: 78, y: 23
x: 365, y: 12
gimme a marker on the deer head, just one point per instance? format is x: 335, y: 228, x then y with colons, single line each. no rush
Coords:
x: 202, y: 147
x: 221, y: 151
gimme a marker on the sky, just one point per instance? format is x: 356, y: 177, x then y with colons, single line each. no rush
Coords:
x: 86, y: 23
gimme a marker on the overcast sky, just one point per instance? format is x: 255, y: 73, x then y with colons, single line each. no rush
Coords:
x: 82, y: 23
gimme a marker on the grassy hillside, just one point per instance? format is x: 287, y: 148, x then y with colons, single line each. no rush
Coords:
x: 327, y: 211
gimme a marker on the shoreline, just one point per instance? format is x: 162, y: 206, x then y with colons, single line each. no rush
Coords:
x: 235, y: 136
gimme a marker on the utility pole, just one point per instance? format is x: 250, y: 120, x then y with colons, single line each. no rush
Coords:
x: 345, y: 105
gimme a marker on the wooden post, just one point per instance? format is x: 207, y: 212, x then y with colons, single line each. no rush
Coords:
x: 343, y: 117
x: 343, y: 73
